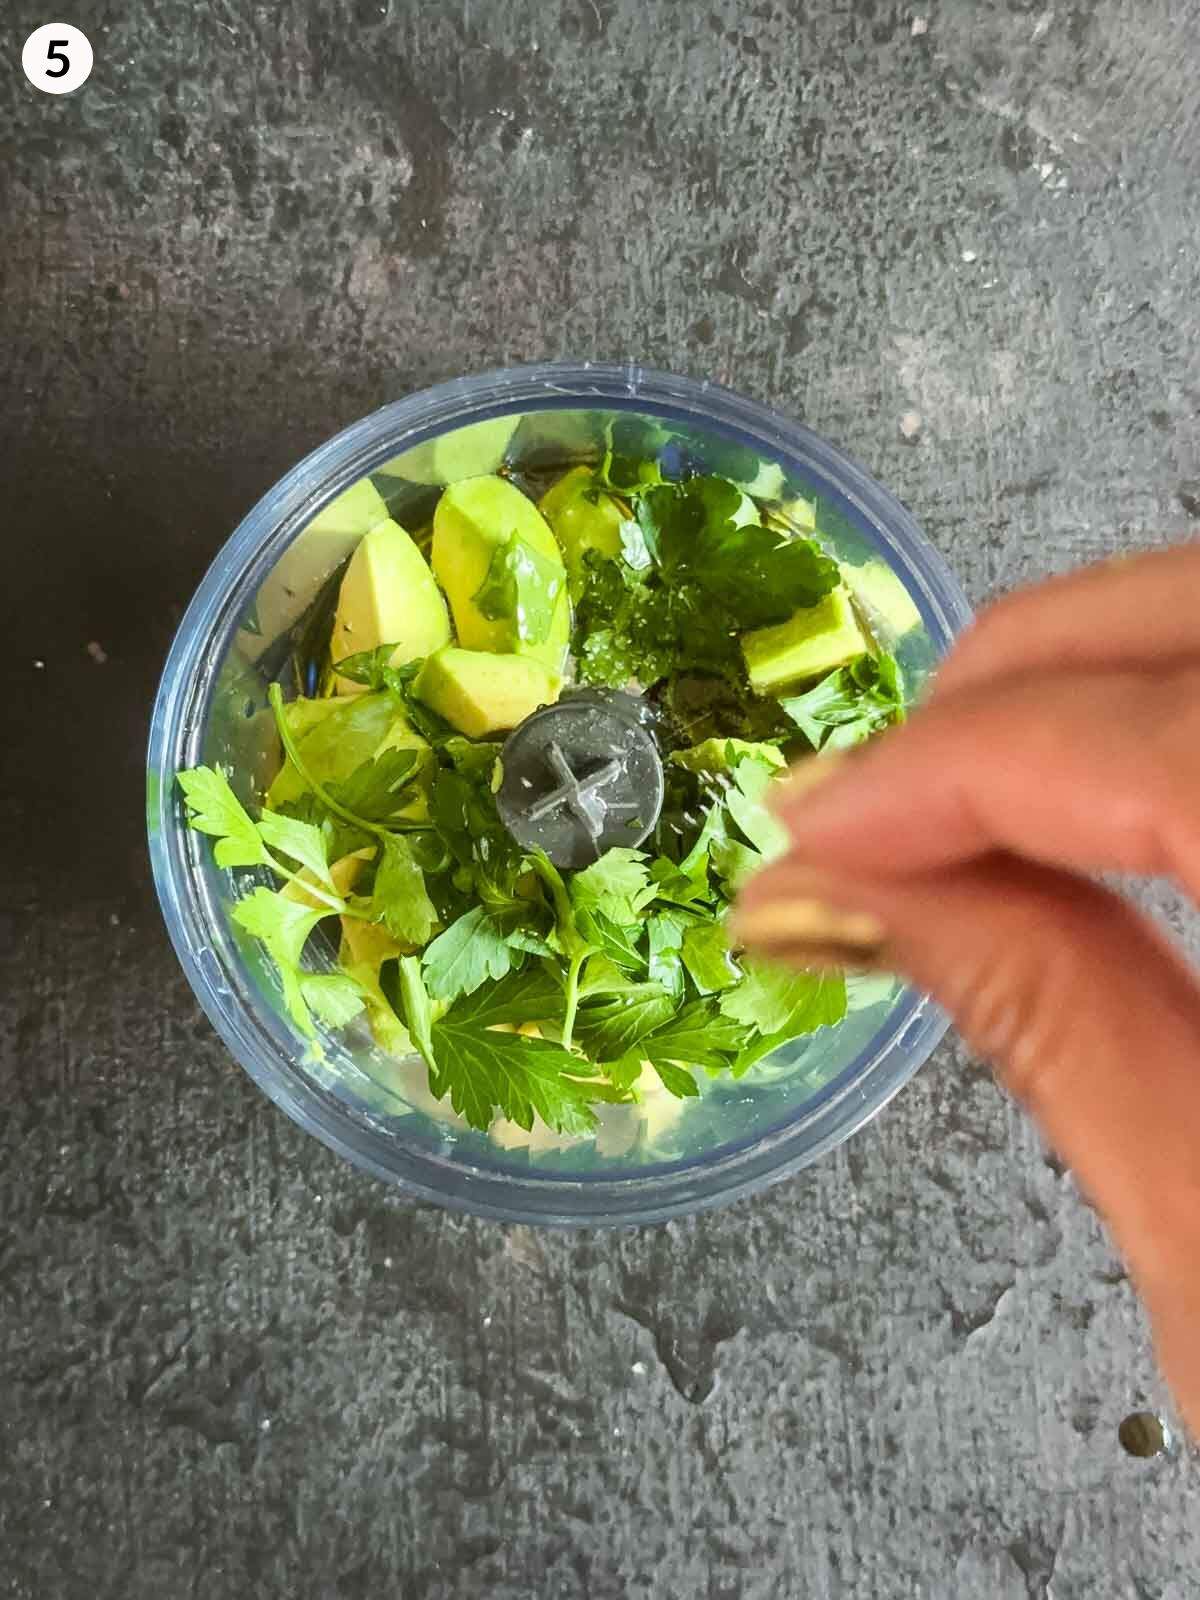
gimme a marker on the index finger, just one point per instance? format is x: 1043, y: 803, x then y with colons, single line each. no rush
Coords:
x: 1085, y: 770
x: 1133, y: 611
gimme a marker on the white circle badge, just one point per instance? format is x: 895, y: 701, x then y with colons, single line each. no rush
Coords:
x: 57, y: 58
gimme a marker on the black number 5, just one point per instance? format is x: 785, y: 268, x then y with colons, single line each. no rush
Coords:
x: 55, y: 52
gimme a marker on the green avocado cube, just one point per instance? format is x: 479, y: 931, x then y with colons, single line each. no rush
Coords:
x: 815, y: 640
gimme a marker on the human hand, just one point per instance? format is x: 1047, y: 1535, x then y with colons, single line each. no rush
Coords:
x: 1062, y: 739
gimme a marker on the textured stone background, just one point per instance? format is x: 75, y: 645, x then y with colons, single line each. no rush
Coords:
x: 230, y: 1366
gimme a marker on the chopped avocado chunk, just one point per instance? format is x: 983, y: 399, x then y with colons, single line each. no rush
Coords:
x: 352, y: 513
x: 388, y: 596
x: 502, y: 571
x: 466, y: 453
x: 747, y: 514
x: 767, y: 482
x: 883, y: 596
x: 582, y: 518
x: 342, y: 875
x: 800, y: 513
x: 311, y: 558
x: 813, y: 641
x: 716, y: 755
x: 479, y: 692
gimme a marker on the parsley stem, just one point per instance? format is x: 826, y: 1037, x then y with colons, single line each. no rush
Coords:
x: 313, y: 889
x: 275, y: 696
x: 572, y: 994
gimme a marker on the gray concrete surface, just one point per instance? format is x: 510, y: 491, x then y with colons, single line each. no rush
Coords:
x: 230, y: 1366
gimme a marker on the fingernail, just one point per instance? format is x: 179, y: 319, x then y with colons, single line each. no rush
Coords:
x: 786, y: 923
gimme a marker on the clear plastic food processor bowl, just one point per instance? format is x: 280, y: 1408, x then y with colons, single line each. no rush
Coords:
x: 236, y: 637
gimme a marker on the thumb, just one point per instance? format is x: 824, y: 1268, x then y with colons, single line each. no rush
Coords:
x: 1091, y: 1017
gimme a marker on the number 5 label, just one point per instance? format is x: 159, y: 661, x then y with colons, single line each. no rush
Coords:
x: 57, y: 58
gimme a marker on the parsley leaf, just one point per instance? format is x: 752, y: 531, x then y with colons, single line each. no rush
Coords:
x: 630, y: 460
x: 744, y: 802
x: 635, y: 552
x: 850, y: 704
x: 484, y: 1071
x: 283, y: 926
x: 618, y: 943
x: 759, y: 576
x: 463, y: 810
x: 519, y: 997
x: 334, y: 996
x: 707, y: 957
x: 399, y: 898
x: 521, y: 586
x: 571, y: 940
x: 665, y: 933
x: 367, y: 667
x: 373, y: 669
x: 684, y: 883
x: 617, y: 885
x: 418, y: 1011
x: 335, y: 737
x: 819, y: 1001
x: 216, y: 810
x: 769, y: 995
x: 612, y: 1023
x: 301, y: 841
x: 468, y: 953
x: 696, y: 1036
x: 376, y: 789
x: 678, y: 1080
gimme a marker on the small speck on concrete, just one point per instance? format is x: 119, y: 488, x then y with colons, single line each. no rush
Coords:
x: 487, y: 1322
x: 638, y: 1368
x: 265, y: 1425
x: 911, y: 424
x: 969, y: 256
x: 39, y: 665
x: 97, y: 652
x: 920, y: 25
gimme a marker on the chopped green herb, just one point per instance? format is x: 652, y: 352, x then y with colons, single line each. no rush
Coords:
x: 399, y: 900
x: 334, y: 996
x: 665, y: 932
x: 283, y: 926
x: 216, y: 810
x: 617, y: 886
x: 707, y: 957
x: 849, y: 705
x: 468, y: 953
x: 521, y: 586
x: 696, y: 1036
x: 610, y: 1024
x: 484, y: 1071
